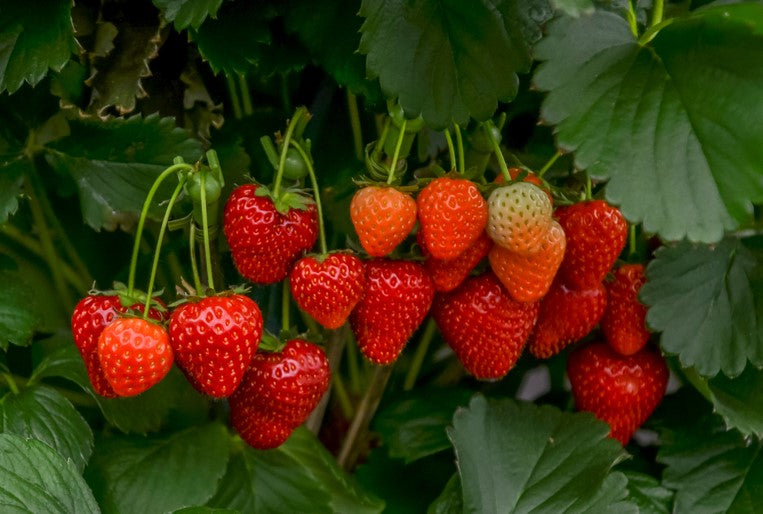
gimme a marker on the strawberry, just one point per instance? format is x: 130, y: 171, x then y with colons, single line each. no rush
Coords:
x: 383, y: 217
x: 135, y: 355
x: 624, y: 321
x: 622, y: 391
x: 91, y: 315
x: 214, y: 339
x: 530, y: 177
x: 596, y: 234
x: 278, y: 393
x: 328, y: 289
x: 565, y: 316
x: 452, y: 214
x: 485, y: 327
x: 264, y: 242
x: 519, y: 217
x: 528, y: 277
x: 448, y: 275
x: 396, y: 300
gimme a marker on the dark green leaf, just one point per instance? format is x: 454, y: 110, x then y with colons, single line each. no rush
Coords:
x: 19, y: 317
x: 414, y: 427
x: 205, y: 510
x: 64, y: 362
x: 37, y: 479
x: 451, y: 501
x: 646, y: 492
x: 448, y: 60
x: 41, y: 413
x: 298, y: 476
x: 31, y: 44
x: 655, y: 119
x: 573, y: 7
x: 131, y: 474
x: 69, y: 83
x: 114, y: 163
x: 11, y: 180
x: 188, y: 13
x: 702, y: 300
x: 515, y: 457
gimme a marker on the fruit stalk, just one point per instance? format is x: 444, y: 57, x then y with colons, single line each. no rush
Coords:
x: 357, y: 134
x: 334, y: 350
x: 460, y: 143
x: 418, y: 357
x: 393, y: 164
x: 205, y: 231
x: 548, y: 164
x: 282, y: 162
x: 499, y: 155
x: 316, y: 193
x: 192, y: 252
x: 451, y: 149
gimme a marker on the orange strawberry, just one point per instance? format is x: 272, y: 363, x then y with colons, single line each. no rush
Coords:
x: 383, y: 217
x: 519, y: 217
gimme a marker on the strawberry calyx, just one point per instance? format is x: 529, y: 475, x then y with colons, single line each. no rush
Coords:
x: 286, y: 200
x: 363, y: 181
x: 187, y: 294
x: 128, y: 299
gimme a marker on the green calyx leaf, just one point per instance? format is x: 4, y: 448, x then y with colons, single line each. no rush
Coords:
x: 271, y: 343
x: 292, y: 199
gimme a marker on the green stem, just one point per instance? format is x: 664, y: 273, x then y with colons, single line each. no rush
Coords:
x: 194, y: 267
x: 632, y: 240
x: 393, y: 164
x: 588, y: 187
x: 205, y: 231
x: 159, y: 239
x: 11, y: 383
x: 334, y: 350
x: 382, y: 138
x: 311, y: 171
x: 246, y: 98
x: 352, y: 366
x: 340, y: 393
x: 357, y: 133
x: 418, y: 357
x: 460, y: 143
x: 451, y: 150
x: 142, y: 221
x: 498, y: 154
x: 657, y: 10
x: 549, y: 163
x: 630, y: 15
x: 285, y: 305
x: 282, y: 162
x: 233, y: 97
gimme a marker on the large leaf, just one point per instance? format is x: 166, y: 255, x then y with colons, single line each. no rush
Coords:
x: 41, y: 413
x: 114, y: 163
x: 131, y: 474
x: 298, y: 476
x: 31, y: 44
x: 35, y: 478
x: 647, y: 493
x: 515, y: 457
x: 19, y: 317
x: 656, y: 119
x: 451, y: 500
x: 702, y: 300
x: 188, y: 13
x: 448, y: 59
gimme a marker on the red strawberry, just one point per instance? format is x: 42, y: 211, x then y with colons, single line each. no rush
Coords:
x: 278, y: 393
x: 214, y: 339
x: 265, y: 243
x: 596, y: 234
x: 448, y: 275
x: 396, y: 300
x: 519, y: 217
x: 91, y: 315
x: 622, y: 391
x: 624, y: 321
x: 328, y: 290
x: 565, y: 316
x: 135, y: 355
x: 528, y: 277
x: 485, y: 327
x: 383, y: 217
x: 452, y: 214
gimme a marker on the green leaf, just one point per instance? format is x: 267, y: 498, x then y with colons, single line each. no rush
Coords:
x: 451, y: 501
x: 461, y: 58
x: 188, y: 13
x: 702, y: 301
x: 19, y: 316
x: 41, y: 413
x: 205, y: 510
x: 647, y: 493
x: 414, y: 427
x: 298, y: 476
x: 11, y: 180
x: 655, y: 118
x: 132, y: 474
x: 573, y: 7
x: 31, y: 44
x: 37, y: 479
x: 63, y: 362
x: 114, y: 163
x: 515, y: 457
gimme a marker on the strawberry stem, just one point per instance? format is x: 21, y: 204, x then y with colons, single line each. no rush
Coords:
x: 588, y: 187
x: 630, y: 15
x: 352, y: 366
x: 144, y: 213
x: 340, y: 392
x: 460, y: 143
x: 246, y: 98
x: 316, y: 192
x: 382, y: 139
x: 285, y: 305
x: 194, y: 267
x: 234, y: 101
x: 285, y: 146
x: 334, y: 350
x: 11, y: 383
x: 357, y: 134
x: 657, y: 9
x: 632, y: 241
x: 418, y: 357
x: 205, y: 230
x: 451, y: 150
x: 549, y: 163
x: 160, y: 238
x: 393, y: 164
x: 498, y: 153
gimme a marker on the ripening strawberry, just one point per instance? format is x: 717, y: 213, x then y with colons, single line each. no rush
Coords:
x: 135, y: 355
x: 565, y: 316
x: 330, y: 288
x: 264, y: 242
x: 624, y: 321
x: 213, y: 340
x: 530, y: 177
x: 622, y: 391
x: 528, y: 277
x: 448, y: 275
x: 452, y: 214
x: 486, y: 328
x: 596, y: 234
x: 383, y: 217
x: 396, y: 300
x: 519, y: 217
x: 91, y: 315
x: 278, y: 393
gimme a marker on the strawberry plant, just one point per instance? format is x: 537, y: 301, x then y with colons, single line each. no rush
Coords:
x: 381, y: 256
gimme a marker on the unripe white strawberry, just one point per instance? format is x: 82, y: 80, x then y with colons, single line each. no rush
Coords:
x: 519, y: 217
